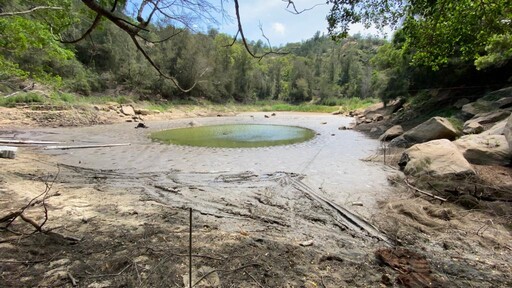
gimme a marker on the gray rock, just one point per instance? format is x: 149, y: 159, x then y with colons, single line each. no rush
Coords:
x: 485, y: 149
x: 436, y: 158
x: 434, y: 128
x: 472, y: 128
x: 399, y: 142
x: 392, y: 133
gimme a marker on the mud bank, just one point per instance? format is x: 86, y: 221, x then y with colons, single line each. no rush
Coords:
x: 263, y: 217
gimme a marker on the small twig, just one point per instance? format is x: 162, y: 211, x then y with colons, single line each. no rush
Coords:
x: 424, y: 192
x: 74, y: 282
x: 138, y: 274
x: 109, y: 275
x: 254, y: 279
x: 322, y: 281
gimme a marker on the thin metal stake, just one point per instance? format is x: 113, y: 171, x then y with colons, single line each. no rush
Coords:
x: 190, y: 251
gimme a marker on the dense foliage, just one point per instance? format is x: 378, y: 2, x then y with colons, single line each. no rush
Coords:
x: 40, y: 44
x: 436, y: 32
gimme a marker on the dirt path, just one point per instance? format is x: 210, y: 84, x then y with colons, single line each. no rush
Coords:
x: 257, y: 221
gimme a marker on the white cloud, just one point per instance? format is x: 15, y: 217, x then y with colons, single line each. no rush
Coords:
x: 279, y: 28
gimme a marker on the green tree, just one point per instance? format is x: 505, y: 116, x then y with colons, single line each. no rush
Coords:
x: 435, y: 31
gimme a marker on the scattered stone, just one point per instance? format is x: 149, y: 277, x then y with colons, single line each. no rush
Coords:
x: 127, y: 110
x: 343, y: 127
x: 323, y: 123
x: 129, y: 120
x: 273, y: 114
x: 266, y: 116
x: 357, y: 203
x: 193, y: 123
x: 307, y: 243
x: 367, y: 120
x: 8, y: 152
x: 141, y: 125
x: 472, y: 128
x: 485, y: 149
x: 432, y: 129
x: 435, y: 158
x: 378, y: 117
x: 392, y: 133
x: 96, y: 108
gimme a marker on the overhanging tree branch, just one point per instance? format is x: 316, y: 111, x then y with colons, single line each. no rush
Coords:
x: 244, y: 40
x: 94, y: 24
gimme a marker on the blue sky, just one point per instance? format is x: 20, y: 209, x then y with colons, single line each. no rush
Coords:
x: 279, y: 25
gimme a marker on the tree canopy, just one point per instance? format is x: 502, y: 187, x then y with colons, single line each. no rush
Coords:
x: 436, y: 31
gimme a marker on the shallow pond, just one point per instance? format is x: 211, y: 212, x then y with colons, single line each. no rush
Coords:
x: 235, y: 135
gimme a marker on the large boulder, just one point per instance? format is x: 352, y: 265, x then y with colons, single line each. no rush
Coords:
x: 485, y: 149
x: 392, y: 133
x: 434, y: 128
x: 438, y: 158
x: 507, y: 131
x: 127, y: 110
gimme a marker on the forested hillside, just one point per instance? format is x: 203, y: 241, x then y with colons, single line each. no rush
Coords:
x: 49, y: 45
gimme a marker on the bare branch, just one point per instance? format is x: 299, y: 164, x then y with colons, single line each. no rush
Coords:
x: 294, y: 8
x: 148, y: 58
x: 244, y: 40
x: 7, y: 14
x: 94, y: 24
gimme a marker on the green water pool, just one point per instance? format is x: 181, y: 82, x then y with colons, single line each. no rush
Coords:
x: 235, y: 135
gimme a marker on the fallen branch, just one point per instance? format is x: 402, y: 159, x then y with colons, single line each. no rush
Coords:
x: 85, y: 146
x: 424, y: 192
x: 29, y: 142
x: 12, y: 216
